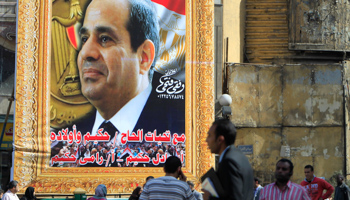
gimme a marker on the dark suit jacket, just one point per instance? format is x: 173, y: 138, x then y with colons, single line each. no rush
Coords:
x: 236, y: 175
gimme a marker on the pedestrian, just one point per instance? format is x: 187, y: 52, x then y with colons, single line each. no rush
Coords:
x: 29, y: 194
x: 100, y: 193
x: 11, y: 192
x: 149, y: 178
x: 315, y: 186
x: 283, y: 188
x: 196, y: 194
x: 168, y: 186
x: 257, y: 188
x: 1, y: 193
x: 136, y: 193
x: 342, y: 191
x: 234, y: 171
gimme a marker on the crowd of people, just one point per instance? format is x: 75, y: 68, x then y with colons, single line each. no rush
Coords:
x: 13, y: 188
x: 122, y: 152
x: 120, y: 45
x: 311, y: 187
x: 234, y: 175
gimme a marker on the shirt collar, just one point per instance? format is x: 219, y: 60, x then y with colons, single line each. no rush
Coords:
x: 168, y: 177
x: 126, y: 118
x: 223, y: 153
x: 9, y: 192
x: 289, y: 185
x: 311, y: 180
x: 342, y: 185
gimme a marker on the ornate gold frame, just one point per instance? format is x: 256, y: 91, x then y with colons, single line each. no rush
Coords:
x: 32, y: 124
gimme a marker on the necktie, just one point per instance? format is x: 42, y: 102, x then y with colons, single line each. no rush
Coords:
x: 109, y: 128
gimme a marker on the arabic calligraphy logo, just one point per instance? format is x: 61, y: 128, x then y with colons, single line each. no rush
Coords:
x: 170, y: 85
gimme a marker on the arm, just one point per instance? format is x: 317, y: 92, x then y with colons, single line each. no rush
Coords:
x: 305, y: 195
x: 5, y: 197
x: 335, y: 192
x: 262, y: 194
x: 231, y: 180
x: 189, y: 194
x: 198, y: 196
x: 347, y: 192
x: 206, y: 196
x: 329, y: 189
x: 145, y: 193
x: 258, y: 194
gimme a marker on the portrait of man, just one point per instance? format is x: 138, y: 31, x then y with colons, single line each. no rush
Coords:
x: 119, y: 49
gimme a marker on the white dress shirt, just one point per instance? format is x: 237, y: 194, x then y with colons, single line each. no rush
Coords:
x: 9, y: 196
x: 126, y: 118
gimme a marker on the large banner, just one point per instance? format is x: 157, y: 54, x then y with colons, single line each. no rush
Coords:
x: 7, y: 139
x: 117, y: 84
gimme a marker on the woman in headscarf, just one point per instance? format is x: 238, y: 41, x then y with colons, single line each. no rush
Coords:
x: 29, y: 194
x: 100, y: 193
x: 136, y: 193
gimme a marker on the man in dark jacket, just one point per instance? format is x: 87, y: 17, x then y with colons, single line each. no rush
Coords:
x: 234, y: 172
x: 342, y: 191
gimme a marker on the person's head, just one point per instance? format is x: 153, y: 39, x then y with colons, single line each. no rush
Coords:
x: 120, y: 40
x: 190, y: 183
x: 172, y: 166
x: 149, y: 178
x: 339, y: 178
x: 137, y: 191
x: 13, y: 186
x: 30, y: 193
x: 256, y: 182
x: 284, y: 170
x: 221, y: 134
x: 1, y: 193
x: 101, y: 192
x: 309, y: 172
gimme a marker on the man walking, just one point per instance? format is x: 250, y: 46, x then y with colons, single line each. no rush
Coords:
x: 11, y: 192
x: 342, y: 191
x: 315, y: 186
x: 168, y: 186
x: 257, y: 188
x: 234, y: 172
x: 283, y: 188
x: 196, y: 194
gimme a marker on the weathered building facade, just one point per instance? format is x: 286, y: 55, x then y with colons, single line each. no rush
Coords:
x: 288, y: 78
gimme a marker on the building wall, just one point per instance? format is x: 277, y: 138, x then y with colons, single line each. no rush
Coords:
x: 320, y: 147
x: 266, y: 31
x: 287, y: 102
x: 233, y: 30
x: 290, y: 111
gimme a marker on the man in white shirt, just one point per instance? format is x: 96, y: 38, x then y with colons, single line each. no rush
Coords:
x: 11, y: 192
x: 257, y: 188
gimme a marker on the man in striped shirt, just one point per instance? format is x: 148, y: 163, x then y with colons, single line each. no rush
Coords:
x: 168, y: 186
x: 283, y: 188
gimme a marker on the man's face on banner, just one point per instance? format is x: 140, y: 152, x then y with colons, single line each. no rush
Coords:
x: 108, y: 67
